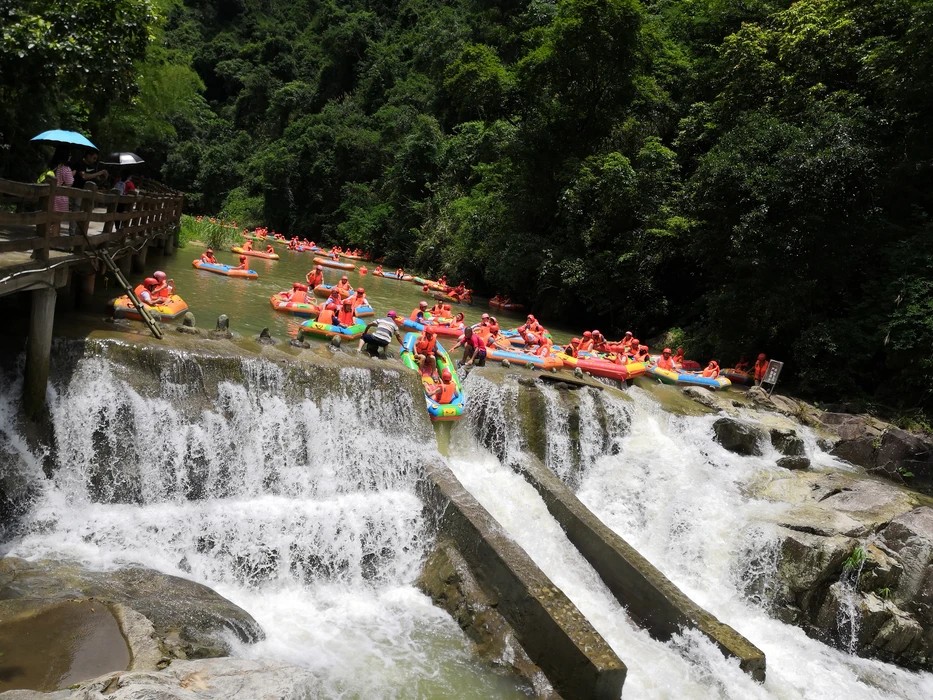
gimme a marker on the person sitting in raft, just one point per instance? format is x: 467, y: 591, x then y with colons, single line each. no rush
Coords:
x: 572, y: 348
x: 378, y: 270
x: 446, y: 392
x: 293, y: 243
x: 742, y: 365
x: 642, y: 354
x: 385, y: 328
x: 626, y: 342
x: 421, y: 313
x: 586, y: 345
x: 531, y: 324
x: 146, y: 296
x: 344, y: 285
x: 666, y: 361
x: 334, y: 300
x: 600, y: 344
x: 493, y: 326
x: 437, y: 309
x: 426, y: 353
x: 483, y: 322
x: 633, y: 348
x: 328, y: 315
x: 495, y: 300
x: 299, y: 293
x: 208, y: 257
x: 345, y: 315
x: 164, y: 289
x: 474, y: 349
x: 712, y: 369
x: 679, y: 358
x: 244, y: 265
x: 442, y: 280
x: 399, y: 272
x: 359, y: 299
x: 761, y: 365
x: 247, y: 244
x: 459, y: 291
x: 270, y: 249
x: 457, y: 322
x: 315, y: 277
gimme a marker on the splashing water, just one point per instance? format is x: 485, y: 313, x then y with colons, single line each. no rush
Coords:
x: 664, y: 485
x: 303, y: 511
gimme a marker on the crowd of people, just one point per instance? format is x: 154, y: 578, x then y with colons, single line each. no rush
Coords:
x: 80, y: 171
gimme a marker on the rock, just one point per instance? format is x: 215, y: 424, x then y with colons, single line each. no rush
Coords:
x: 506, y: 364
x: 578, y: 373
x: 265, y: 338
x: 223, y: 322
x: 335, y: 341
x: 794, y: 462
x: 910, y: 538
x: 902, y: 453
x: 188, y: 320
x: 295, y: 343
x: 190, y: 620
x: 708, y: 398
x: 760, y: 398
x: 850, y: 427
x: 738, y: 437
x: 787, y: 406
x: 787, y: 442
x: 189, y: 330
x: 203, y: 679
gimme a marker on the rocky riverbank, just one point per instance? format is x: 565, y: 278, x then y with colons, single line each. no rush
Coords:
x: 854, y: 562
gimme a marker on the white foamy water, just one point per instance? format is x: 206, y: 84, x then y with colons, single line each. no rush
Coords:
x: 661, y: 483
x: 303, y: 512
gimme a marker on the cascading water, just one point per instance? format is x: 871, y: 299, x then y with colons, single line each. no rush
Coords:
x: 664, y: 485
x: 297, y: 503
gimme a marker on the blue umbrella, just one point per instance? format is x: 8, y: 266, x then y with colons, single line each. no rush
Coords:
x: 71, y: 138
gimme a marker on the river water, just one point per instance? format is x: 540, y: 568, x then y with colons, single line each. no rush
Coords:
x: 304, y: 512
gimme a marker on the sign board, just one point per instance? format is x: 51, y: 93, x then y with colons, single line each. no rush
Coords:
x: 772, y: 372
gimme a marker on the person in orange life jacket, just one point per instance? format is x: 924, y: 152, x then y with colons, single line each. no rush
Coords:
x: 493, y: 326
x: 447, y: 391
x: 248, y: 244
x: 761, y: 365
x: 244, y: 265
x: 626, y: 341
x: 419, y: 313
x: 345, y: 316
x: 666, y: 361
x: 270, y: 249
x: 742, y: 365
x: 712, y: 369
x: 299, y: 293
x: 599, y: 342
x: 208, y: 257
x: 377, y: 270
x: 333, y: 301
x: 531, y: 341
x: 163, y: 289
x: 442, y: 280
x: 642, y: 354
x: 327, y: 315
x: 359, y: 299
x: 315, y: 277
x: 679, y: 358
x: 145, y: 295
x: 344, y: 285
x: 633, y: 347
x: 426, y: 352
x: 457, y: 322
x: 437, y: 309
x: 544, y: 346
x: 586, y: 345
x: 474, y: 349
x: 572, y: 348
x: 385, y: 328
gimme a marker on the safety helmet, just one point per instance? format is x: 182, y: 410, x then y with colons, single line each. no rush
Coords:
x: 344, y: 278
x: 642, y: 347
x: 392, y: 314
x: 575, y: 341
x: 159, y: 275
x: 150, y: 282
x: 628, y: 333
x: 296, y: 285
x: 485, y: 316
x: 666, y: 351
x: 360, y: 290
x: 242, y: 258
x: 302, y: 287
x: 423, y: 303
x: 347, y: 302
x: 209, y: 250
x: 587, y: 334
x: 319, y: 268
x: 762, y: 356
x: 446, y: 375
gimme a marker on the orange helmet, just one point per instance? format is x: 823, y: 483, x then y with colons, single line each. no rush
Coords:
x: 446, y: 375
x: 762, y: 356
x: 150, y: 282
x: 666, y: 351
x: 242, y: 258
x: 360, y: 290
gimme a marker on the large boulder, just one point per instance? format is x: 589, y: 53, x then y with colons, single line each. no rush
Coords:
x: 190, y: 620
x: 203, y: 679
x: 893, y: 453
x: 787, y: 442
x: 738, y: 437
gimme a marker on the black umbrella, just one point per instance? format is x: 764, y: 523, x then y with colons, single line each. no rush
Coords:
x: 123, y: 158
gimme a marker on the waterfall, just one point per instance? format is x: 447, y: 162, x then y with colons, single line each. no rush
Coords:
x: 662, y: 483
x: 292, y: 492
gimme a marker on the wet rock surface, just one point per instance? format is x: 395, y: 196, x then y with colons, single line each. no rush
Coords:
x: 189, y: 620
x: 736, y: 436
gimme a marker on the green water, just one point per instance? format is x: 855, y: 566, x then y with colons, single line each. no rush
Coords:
x: 246, y: 301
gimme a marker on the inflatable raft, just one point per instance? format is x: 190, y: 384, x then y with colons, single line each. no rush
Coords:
x: 227, y: 270
x: 363, y: 310
x: 521, y: 358
x: 255, y: 253
x: 328, y: 262
x: 602, y: 367
x: 737, y: 376
x: 393, y: 276
x: 323, y: 291
x: 437, y: 411
x: 441, y: 296
x: 327, y: 330
x: 506, y: 307
x: 172, y: 308
x: 682, y: 378
x: 280, y: 303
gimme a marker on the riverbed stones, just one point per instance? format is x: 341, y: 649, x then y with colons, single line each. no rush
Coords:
x: 787, y: 442
x: 189, y: 619
x: 710, y: 399
x: 736, y: 436
x: 794, y: 463
x: 188, y: 320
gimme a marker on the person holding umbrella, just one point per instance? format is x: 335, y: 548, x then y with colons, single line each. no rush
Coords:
x: 64, y: 177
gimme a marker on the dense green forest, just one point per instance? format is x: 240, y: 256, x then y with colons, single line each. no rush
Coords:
x: 756, y: 173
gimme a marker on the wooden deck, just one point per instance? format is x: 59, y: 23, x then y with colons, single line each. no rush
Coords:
x: 37, y: 252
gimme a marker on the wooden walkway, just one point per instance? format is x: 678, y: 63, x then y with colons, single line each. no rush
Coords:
x: 36, y: 250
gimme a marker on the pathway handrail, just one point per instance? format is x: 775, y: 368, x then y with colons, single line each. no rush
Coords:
x: 124, y: 217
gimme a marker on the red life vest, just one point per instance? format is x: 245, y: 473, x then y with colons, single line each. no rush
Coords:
x: 425, y: 346
x: 760, y: 367
x: 345, y: 317
x: 299, y: 297
x: 446, y: 393
x: 326, y: 317
x: 666, y: 363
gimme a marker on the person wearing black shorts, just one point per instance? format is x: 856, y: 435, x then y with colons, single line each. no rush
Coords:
x: 385, y: 328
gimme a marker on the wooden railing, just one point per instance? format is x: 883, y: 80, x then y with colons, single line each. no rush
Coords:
x: 28, y: 220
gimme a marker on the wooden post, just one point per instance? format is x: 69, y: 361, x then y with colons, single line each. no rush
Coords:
x: 86, y: 283
x: 87, y: 206
x: 49, y: 226
x: 168, y: 245
x: 139, y: 260
x: 124, y: 265
x: 38, y: 351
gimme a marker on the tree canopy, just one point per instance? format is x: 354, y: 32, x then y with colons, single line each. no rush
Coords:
x: 756, y: 173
